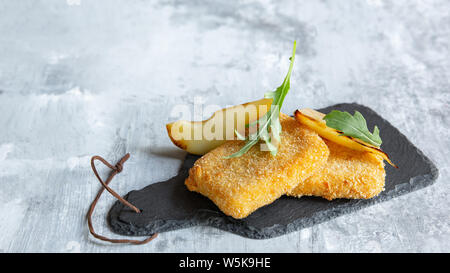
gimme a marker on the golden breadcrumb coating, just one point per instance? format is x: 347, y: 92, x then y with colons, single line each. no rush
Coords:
x: 347, y: 174
x: 239, y: 186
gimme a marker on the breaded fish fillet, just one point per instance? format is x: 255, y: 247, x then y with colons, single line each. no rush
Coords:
x: 239, y: 186
x: 347, y: 174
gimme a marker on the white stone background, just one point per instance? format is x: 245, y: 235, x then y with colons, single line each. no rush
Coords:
x: 80, y: 77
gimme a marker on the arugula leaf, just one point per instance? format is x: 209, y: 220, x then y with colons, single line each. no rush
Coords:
x: 353, y: 126
x: 269, y: 126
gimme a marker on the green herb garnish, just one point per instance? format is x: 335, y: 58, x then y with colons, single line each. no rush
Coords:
x: 269, y: 126
x: 353, y: 126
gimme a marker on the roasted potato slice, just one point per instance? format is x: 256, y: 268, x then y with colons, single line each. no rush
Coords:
x: 200, y: 137
x: 314, y: 120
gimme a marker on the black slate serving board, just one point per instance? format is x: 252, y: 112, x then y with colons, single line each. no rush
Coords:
x: 169, y: 205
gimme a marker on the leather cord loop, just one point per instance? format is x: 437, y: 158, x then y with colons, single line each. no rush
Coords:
x: 115, y: 170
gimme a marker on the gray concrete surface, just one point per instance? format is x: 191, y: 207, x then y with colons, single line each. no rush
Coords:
x: 80, y: 77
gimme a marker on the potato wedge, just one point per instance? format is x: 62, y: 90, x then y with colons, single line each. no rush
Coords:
x: 200, y: 137
x: 314, y: 120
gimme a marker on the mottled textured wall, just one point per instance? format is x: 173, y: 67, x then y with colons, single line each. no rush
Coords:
x: 81, y: 77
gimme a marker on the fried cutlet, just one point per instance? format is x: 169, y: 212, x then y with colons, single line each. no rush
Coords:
x: 239, y: 186
x: 347, y: 174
